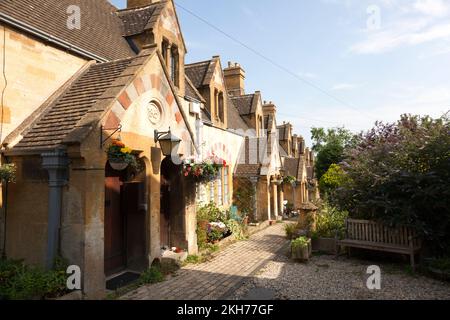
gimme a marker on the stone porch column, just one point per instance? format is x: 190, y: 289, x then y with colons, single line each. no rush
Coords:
x: 254, y: 181
x: 275, y: 200
x: 281, y: 201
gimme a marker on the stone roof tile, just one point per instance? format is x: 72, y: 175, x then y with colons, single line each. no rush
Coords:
x: 100, y: 33
x: 83, y: 100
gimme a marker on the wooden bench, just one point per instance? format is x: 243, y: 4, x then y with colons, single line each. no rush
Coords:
x: 371, y: 235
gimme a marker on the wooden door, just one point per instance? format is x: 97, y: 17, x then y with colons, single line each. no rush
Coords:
x: 134, y: 212
x: 115, y: 253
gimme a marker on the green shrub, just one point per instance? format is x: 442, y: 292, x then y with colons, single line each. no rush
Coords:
x: 202, y: 234
x: 151, y: 275
x: 332, y: 179
x: 329, y: 221
x: 237, y: 229
x: 442, y: 264
x: 193, y: 259
x: 212, y: 213
x: 399, y: 174
x: 290, y: 229
x: 299, y: 243
x: 8, y: 173
x: 215, y: 235
x: 19, y: 281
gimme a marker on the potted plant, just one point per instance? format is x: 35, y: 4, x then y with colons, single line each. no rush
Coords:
x: 120, y: 157
x: 301, y: 249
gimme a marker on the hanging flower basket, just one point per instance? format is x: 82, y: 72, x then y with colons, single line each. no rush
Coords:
x: 290, y: 180
x: 118, y: 166
x: 120, y: 157
x: 204, y: 171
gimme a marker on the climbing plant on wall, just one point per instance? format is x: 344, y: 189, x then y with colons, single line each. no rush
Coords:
x: 243, y: 197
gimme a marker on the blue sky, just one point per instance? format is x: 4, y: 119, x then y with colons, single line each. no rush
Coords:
x: 381, y: 58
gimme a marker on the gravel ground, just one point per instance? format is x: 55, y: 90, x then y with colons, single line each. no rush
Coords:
x: 324, y: 277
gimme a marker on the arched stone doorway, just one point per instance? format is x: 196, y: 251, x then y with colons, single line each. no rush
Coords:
x: 125, y: 219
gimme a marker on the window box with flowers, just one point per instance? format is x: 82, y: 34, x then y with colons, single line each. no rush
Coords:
x: 204, y: 171
x: 120, y: 156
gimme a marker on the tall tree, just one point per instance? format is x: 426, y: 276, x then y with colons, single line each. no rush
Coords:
x: 329, y: 147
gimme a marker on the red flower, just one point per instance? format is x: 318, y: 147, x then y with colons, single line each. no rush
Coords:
x: 224, y: 163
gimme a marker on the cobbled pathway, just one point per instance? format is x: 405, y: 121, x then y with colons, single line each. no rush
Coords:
x: 220, y: 277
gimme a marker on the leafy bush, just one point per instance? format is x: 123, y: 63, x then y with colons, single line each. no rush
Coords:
x: 202, y: 234
x: 299, y: 243
x: 211, y: 213
x: 329, y: 222
x: 151, y: 275
x: 206, y: 214
x: 243, y: 197
x: 215, y: 235
x: 332, y: 179
x: 8, y: 173
x: 237, y: 229
x: 399, y: 174
x: 442, y: 264
x: 19, y: 281
x: 290, y: 229
x: 194, y: 259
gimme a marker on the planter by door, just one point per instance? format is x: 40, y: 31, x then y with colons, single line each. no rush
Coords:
x: 302, y: 253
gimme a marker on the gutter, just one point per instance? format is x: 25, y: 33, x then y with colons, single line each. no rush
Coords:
x: 49, y: 38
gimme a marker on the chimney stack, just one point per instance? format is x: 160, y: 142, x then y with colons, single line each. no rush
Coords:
x: 269, y: 108
x: 234, y: 79
x: 139, y: 3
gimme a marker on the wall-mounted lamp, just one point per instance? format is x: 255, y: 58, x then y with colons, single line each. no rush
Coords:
x: 167, y: 141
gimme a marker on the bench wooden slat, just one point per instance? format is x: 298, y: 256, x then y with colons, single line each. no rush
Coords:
x: 377, y: 236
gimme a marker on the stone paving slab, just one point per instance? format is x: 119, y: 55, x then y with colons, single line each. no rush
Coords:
x: 221, y: 276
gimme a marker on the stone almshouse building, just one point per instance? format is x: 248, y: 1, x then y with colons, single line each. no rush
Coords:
x: 68, y: 91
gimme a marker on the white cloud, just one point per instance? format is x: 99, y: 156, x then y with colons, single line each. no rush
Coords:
x: 404, y: 33
x: 412, y: 24
x: 344, y: 86
x: 437, y: 8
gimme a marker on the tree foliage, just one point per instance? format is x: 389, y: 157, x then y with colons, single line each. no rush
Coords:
x: 329, y: 146
x: 332, y: 179
x: 399, y: 173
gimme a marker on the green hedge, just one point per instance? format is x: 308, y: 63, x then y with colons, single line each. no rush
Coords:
x: 19, y: 281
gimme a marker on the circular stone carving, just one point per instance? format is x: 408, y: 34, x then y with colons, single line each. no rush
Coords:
x: 154, y: 113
